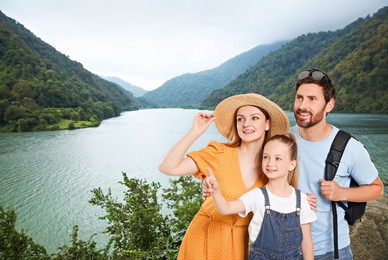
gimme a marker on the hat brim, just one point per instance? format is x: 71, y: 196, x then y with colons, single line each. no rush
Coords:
x: 226, y: 109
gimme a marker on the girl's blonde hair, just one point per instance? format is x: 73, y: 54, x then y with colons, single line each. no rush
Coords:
x: 290, y: 141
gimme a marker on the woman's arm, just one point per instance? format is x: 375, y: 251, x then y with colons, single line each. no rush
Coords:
x: 175, y: 163
x: 307, y: 242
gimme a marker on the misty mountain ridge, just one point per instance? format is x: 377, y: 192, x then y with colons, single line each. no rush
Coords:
x: 135, y: 90
x: 273, y: 74
x: 188, y: 90
x: 355, y: 57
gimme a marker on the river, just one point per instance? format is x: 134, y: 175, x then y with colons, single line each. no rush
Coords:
x: 47, y: 177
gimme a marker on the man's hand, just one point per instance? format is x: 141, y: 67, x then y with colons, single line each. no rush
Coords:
x: 332, y: 191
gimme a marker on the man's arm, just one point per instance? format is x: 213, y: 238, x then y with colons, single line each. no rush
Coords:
x: 332, y: 191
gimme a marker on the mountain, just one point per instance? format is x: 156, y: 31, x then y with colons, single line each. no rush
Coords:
x: 188, y: 90
x: 355, y: 56
x: 136, y: 91
x: 42, y: 89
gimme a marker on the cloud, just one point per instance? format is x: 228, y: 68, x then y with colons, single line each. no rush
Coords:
x: 149, y: 42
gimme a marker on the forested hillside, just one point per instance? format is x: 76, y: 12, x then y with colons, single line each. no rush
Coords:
x: 356, y: 57
x: 190, y: 89
x: 42, y: 89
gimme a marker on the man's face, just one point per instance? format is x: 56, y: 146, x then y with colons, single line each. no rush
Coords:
x: 310, y: 107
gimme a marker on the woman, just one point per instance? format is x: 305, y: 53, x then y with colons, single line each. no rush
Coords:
x: 246, y: 120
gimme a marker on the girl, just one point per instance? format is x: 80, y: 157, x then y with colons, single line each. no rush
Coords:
x: 280, y: 226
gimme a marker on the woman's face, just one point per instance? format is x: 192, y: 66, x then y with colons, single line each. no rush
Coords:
x: 251, y: 123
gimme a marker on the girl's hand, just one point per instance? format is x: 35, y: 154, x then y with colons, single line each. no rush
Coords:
x: 209, y: 184
x: 205, y: 190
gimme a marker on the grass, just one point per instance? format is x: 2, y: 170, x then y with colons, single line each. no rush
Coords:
x: 70, y: 124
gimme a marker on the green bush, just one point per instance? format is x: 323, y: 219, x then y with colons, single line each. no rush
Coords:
x: 14, y: 244
x: 137, y: 228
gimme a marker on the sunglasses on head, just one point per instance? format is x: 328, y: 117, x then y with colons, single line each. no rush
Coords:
x: 316, y: 75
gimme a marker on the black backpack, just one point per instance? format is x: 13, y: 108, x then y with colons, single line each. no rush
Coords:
x: 354, y: 210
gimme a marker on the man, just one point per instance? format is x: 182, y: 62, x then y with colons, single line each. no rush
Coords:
x: 315, y: 98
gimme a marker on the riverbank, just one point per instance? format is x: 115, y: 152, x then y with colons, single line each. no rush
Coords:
x: 369, y: 237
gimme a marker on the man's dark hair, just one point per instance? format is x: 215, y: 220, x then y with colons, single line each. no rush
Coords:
x: 324, y: 81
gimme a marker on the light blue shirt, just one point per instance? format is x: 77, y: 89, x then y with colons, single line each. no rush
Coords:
x: 355, y: 162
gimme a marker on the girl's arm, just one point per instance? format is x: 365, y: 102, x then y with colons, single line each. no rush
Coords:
x: 227, y: 207
x: 223, y: 206
x: 307, y: 242
x: 175, y: 163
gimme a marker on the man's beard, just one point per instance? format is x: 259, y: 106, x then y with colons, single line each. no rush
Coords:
x: 313, y: 119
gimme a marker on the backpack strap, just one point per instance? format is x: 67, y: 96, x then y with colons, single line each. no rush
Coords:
x: 335, y: 154
x: 332, y: 162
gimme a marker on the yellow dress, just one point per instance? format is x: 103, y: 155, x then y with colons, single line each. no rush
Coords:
x: 211, y: 235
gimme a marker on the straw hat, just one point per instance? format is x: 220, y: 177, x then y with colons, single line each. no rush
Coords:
x: 226, y: 109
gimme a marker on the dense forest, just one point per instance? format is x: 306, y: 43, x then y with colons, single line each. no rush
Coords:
x: 42, y: 89
x: 356, y: 57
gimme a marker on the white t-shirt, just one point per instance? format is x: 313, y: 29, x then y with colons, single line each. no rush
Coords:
x: 254, y: 202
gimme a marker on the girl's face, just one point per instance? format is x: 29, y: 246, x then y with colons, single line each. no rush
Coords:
x: 276, y: 161
x: 251, y: 123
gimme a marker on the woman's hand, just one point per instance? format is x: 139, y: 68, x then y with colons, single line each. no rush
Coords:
x: 202, y: 122
x: 176, y: 163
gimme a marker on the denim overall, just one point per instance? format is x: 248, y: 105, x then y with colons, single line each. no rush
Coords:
x: 280, y: 235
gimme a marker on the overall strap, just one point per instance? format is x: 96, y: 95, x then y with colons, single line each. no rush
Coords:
x: 298, y: 202
x: 266, y: 198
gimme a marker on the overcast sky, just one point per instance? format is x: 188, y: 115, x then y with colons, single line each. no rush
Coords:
x: 147, y: 42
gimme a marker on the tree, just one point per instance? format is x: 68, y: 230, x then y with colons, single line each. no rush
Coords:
x: 80, y: 249
x: 4, y: 104
x: 14, y: 244
x: 136, y: 227
x: 184, y: 199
